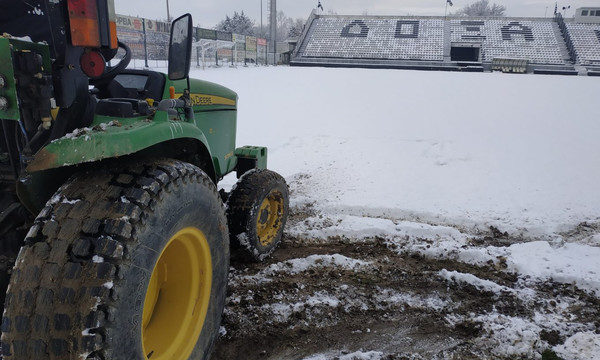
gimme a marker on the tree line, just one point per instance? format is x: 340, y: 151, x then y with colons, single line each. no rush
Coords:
x: 288, y: 27
x: 241, y: 24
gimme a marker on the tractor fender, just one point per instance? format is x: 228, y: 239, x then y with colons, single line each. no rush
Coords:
x: 111, y: 139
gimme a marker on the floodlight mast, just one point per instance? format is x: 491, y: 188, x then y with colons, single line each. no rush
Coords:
x: 273, y: 26
x: 168, y: 13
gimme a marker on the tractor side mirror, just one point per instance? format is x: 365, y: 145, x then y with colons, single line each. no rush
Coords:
x: 180, y: 47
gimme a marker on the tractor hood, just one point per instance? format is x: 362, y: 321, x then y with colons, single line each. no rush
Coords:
x: 205, y: 95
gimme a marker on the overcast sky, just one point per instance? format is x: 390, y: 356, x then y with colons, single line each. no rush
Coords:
x: 208, y: 13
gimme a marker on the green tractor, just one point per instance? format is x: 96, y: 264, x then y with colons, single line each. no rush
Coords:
x: 114, y: 241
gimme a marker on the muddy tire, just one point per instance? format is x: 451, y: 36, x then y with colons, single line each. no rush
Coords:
x: 126, y: 263
x: 14, y: 223
x: 257, y: 210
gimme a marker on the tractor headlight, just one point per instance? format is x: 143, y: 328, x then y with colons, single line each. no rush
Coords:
x: 3, y: 103
x: 2, y: 82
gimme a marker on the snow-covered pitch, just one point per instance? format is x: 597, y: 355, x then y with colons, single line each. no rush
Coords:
x: 471, y: 149
x: 437, y: 155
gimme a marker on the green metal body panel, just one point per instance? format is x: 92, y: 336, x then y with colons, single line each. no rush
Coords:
x: 9, y: 91
x: 258, y: 153
x: 111, y: 137
x: 215, y: 114
x: 213, y: 124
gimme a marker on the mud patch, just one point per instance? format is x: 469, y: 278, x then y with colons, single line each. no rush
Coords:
x: 324, y: 298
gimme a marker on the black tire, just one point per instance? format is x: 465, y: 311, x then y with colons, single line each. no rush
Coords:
x: 257, y: 210
x: 14, y: 223
x: 81, y: 284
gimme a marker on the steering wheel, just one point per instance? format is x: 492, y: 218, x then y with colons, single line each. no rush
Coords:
x: 113, y: 71
x: 102, y: 75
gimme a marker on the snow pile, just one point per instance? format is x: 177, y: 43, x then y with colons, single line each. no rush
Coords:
x: 538, y: 261
x: 568, y: 263
x: 314, y: 309
x: 581, y: 346
x: 342, y: 225
x: 296, y: 266
x: 393, y: 298
x: 512, y: 336
x: 481, y: 284
x: 519, y: 337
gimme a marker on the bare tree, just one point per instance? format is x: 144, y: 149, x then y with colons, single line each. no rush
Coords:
x: 296, y: 28
x: 482, y: 8
x: 286, y: 28
x: 284, y: 24
x: 261, y: 33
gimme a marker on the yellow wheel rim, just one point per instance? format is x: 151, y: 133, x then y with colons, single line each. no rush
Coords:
x: 177, y: 297
x: 269, y: 219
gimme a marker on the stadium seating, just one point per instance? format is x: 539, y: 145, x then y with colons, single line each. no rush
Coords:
x: 585, y: 40
x: 376, y: 38
x: 443, y: 43
x: 532, y: 40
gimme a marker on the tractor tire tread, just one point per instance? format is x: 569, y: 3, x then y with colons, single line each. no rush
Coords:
x: 92, y: 247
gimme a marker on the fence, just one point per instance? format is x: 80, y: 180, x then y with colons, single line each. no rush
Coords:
x: 149, y: 42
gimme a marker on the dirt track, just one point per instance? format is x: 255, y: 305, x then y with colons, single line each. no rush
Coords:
x: 372, y: 296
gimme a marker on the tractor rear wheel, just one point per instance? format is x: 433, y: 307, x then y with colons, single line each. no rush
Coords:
x: 257, y: 210
x: 122, y: 264
x: 14, y: 223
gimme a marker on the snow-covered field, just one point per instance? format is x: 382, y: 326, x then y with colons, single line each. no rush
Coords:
x: 489, y: 179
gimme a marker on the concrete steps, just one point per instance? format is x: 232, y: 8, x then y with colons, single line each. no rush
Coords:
x: 562, y: 44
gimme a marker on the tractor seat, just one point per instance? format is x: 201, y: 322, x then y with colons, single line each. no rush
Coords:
x: 123, y: 107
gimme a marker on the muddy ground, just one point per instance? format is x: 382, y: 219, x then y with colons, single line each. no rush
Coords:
x: 363, y: 296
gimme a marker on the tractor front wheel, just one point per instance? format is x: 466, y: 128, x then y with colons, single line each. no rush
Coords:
x: 125, y: 264
x: 257, y: 210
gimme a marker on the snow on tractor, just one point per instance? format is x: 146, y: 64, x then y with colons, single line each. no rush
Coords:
x: 115, y: 242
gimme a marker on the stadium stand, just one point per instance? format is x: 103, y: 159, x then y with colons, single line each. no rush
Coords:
x: 538, y: 45
x: 531, y: 40
x: 376, y: 38
x: 585, y: 41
